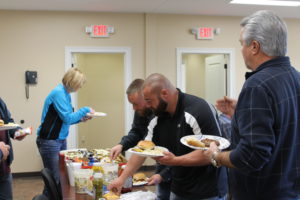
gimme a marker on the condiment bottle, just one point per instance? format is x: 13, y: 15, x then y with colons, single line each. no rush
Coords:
x: 97, y: 185
x: 127, y: 187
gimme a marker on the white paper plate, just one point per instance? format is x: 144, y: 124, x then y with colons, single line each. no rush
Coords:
x: 139, y: 183
x: 158, y: 151
x: 96, y: 114
x: 8, y: 126
x: 224, y: 143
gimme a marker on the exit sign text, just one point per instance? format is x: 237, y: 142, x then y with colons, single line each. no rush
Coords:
x: 205, y: 33
x: 99, y: 30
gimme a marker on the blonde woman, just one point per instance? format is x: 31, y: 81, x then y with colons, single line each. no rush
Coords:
x: 57, y: 116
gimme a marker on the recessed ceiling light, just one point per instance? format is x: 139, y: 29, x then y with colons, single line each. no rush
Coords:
x: 266, y: 2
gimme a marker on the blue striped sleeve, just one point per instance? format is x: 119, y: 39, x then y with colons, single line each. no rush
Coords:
x: 255, y: 121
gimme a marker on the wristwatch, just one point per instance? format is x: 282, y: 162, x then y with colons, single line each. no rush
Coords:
x: 213, y: 160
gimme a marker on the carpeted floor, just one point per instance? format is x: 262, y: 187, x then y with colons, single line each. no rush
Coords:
x: 25, y: 188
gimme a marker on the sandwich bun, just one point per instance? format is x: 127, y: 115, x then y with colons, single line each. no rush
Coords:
x: 195, y: 143
x: 1, y: 122
x: 146, y: 145
x: 139, y: 177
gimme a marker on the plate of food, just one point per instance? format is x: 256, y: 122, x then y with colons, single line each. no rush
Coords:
x: 8, y: 126
x: 203, y: 141
x: 147, y: 148
x: 96, y: 114
x: 139, y: 179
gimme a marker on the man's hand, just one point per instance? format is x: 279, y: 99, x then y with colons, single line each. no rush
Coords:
x: 116, y: 185
x: 115, y: 151
x: 226, y: 106
x: 168, y: 158
x: 223, y: 158
x: 155, y: 179
x: 5, y: 150
x: 212, y: 148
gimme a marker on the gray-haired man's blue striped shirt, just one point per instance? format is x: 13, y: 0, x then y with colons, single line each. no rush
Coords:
x: 266, y: 134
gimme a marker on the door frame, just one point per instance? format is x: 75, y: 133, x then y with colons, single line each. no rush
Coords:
x: 230, y: 65
x: 69, y: 51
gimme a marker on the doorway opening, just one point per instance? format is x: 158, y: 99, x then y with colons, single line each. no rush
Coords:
x: 108, y: 71
x: 206, y: 72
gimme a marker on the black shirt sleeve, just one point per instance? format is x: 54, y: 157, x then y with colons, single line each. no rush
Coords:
x: 137, y: 132
x: 164, y: 171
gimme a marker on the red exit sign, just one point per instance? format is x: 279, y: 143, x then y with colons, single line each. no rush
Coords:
x: 205, y: 33
x: 99, y: 30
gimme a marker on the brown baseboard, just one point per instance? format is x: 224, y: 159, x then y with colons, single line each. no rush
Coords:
x: 26, y: 174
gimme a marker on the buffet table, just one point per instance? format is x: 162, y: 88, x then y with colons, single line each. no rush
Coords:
x: 69, y: 191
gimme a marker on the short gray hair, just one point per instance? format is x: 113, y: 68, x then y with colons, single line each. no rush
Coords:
x: 268, y: 29
x: 135, y: 86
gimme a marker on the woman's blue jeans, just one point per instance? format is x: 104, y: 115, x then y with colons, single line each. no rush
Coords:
x: 49, y: 150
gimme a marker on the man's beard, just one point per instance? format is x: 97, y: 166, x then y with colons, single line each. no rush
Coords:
x: 146, y: 112
x: 161, y: 108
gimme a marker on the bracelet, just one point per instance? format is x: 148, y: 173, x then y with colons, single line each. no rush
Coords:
x: 213, y: 160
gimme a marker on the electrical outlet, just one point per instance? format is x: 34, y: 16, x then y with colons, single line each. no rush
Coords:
x: 82, y: 140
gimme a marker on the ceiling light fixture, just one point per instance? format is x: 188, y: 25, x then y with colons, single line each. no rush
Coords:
x: 266, y: 2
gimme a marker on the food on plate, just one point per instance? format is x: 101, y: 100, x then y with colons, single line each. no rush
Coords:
x: 207, y: 142
x: 137, y: 149
x: 111, y: 196
x: 137, y: 177
x: 148, y: 148
x: 201, y: 143
x: 194, y: 142
x: 146, y: 145
x: 1, y: 122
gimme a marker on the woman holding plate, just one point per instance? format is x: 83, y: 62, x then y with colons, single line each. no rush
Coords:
x: 57, y: 116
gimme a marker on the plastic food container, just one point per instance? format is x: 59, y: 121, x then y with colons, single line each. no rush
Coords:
x: 71, y: 167
x: 110, y: 171
x: 83, y: 182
